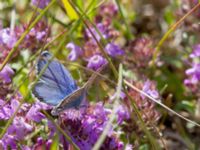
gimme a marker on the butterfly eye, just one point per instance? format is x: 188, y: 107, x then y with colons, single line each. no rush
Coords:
x: 59, y: 109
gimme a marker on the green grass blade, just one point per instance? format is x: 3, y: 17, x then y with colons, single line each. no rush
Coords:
x: 113, y: 114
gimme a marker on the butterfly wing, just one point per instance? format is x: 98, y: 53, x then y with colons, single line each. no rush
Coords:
x: 71, y: 101
x: 55, y: 82
x: 56, y: 73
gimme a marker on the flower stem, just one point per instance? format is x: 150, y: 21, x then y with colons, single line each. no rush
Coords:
x: 171, y: 29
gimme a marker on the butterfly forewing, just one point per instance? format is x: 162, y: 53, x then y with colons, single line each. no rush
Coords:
x: 56, y: 73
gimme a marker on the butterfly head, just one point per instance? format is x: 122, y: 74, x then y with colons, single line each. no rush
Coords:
x: 57, y: 110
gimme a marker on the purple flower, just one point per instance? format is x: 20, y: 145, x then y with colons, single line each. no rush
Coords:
x: 122, y: 111
x: 86, y: 130
x: 5, y: 111
x: 129, y: 147
x: 113, y: 97
x: 101, y: 28
x: 34, y: 113
x: 15, y: 133
x: 35, y: 32
x: 147, y: 88
x: 37, y: 37
x: 6, y: 74
x: 8, y: 141
x: 113, y: 50
x: 42, y: 144
x: 73, y: 114
x: 108, y: 10
x: 122, y: 114
x: 141, y: 51
x: 7, y: 37
x: 76, y: 51
x: 196, y: 51
x: 194, y: 74
x: 19, y: 128
x: 96, y: 62
x: 40, y: 3
x: 8, y: 109
x: 24, y: 147
x: 40, y: 35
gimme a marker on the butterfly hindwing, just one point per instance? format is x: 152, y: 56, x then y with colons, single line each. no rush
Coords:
x: 71, y: 101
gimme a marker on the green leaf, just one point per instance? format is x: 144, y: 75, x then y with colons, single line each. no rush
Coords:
x: 55, y: 143
x: 186, y: 105
x: 70, y: 10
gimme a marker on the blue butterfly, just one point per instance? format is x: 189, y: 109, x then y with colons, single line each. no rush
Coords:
x: 57, y: 87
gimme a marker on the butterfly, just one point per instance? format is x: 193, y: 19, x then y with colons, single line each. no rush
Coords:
x: 56, y: 85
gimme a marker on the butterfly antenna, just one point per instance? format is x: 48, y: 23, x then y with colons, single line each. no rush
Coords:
x: 93, y: 77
